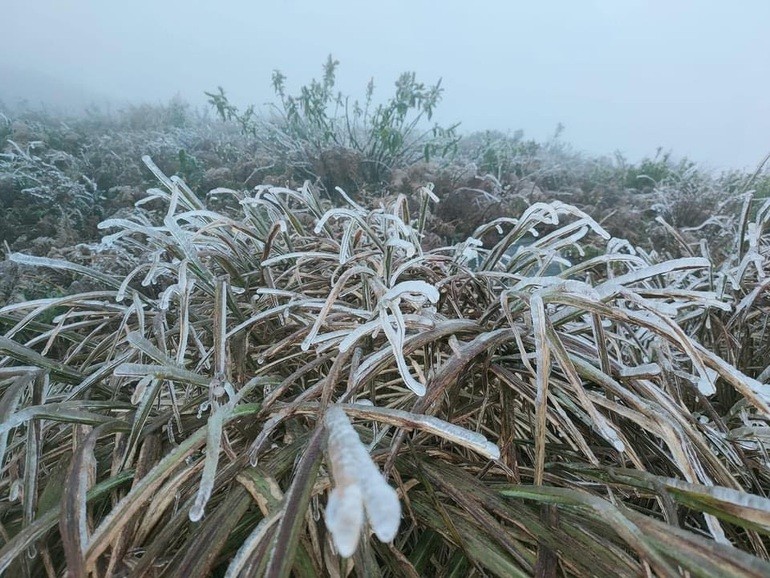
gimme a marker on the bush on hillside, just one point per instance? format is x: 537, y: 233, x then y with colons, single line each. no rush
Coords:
x: 319, y: 119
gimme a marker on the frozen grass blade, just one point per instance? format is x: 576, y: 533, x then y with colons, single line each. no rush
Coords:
x: 358, y: 485
x: 73, y: 521
x: 31, y: 357
x: 296, y: 503
x: 429, y: 424
x: 33, y: 261
x: 213, y: 443
x: 543, y: 372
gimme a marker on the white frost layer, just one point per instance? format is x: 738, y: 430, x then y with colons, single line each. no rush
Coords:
x: 358, y: 486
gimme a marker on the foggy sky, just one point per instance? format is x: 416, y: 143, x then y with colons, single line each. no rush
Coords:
x: 627, y: 75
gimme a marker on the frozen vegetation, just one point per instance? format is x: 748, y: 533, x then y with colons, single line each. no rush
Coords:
x: 337, y: 338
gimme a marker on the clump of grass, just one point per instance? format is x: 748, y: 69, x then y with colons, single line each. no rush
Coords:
x: 174, y: 421
x: 39, y: 191
x: 60, y: 176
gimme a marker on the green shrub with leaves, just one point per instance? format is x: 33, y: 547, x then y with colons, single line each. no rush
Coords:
x: 387, y: 136
x: 503, y: 156
x: 193, y: 417
x: 650, y: 171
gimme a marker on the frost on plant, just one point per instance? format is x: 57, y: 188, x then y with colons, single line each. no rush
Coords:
x: 358, y: 487
x: 416, y: 292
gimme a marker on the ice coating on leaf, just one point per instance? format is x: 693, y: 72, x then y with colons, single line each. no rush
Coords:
x: 672, y: 266
x: 469, y: 248
x: 165, y: 299
x: 345, y: 448
x: 184, y: 242
x: 617, y: 245
x: 336, y: 213
x: 34, y: 261
x: 749, y: 299
x: 706, y: 298
x: 358, y: 486
x: 416, y: 292
x: 299, y: 255
x: 346, y: 245
x: 383, y: 509
x: 645, y: 370
x: 605, y: 429
x: 431, y: 424
x: 350, y: 201
x: 663, y: 309
x: 706, y: 382
x: 544, y: 212
x: 396, y: 340
x: 581, y: 288
x: 408, y: 247
x: 141, y: 387
x: 153, y: 271
x: 398, y: 226
x: 428, y: 191
x: 539, y: 281
x: 463, y: 436
x: 357, y: 334
x: 159, y: 372
x: 121, y: 293
x: 345, y: 518
x: 15, y: 492
x: 418, y: 288
x: 344, y: 511
x: 668, y: 327
x: 213, y: 441
x: 560, y: 285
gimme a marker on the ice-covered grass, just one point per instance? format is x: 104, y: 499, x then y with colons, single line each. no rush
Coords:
x: 262, y: 385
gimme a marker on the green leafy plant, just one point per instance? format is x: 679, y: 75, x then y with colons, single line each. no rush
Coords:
x: 387, y: 136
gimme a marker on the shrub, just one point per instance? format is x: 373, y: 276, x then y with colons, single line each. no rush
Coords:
x: 387, y: 136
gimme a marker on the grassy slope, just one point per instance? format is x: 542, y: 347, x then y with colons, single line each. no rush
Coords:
x: 624, y: 398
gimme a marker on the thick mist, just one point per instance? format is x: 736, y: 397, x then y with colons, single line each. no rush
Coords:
x: 629, y: 76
